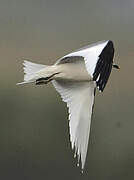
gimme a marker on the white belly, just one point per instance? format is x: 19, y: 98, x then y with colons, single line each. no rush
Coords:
x: 73, y: 72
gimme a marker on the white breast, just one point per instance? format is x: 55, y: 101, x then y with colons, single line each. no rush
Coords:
x: 73, y: 72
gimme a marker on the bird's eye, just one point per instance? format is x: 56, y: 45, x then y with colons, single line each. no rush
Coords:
x: 116, y: 66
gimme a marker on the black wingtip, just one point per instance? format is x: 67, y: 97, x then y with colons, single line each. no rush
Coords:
x: 104, y: 66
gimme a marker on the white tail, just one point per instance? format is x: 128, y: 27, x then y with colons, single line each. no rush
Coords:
x: 30, y: 70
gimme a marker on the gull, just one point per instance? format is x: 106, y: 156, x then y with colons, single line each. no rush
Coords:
x: 76, y: 76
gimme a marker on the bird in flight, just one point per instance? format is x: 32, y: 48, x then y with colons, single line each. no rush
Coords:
x: 76, y: 76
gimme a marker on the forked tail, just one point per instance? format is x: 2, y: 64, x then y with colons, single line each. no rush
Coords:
x: 31, y: 71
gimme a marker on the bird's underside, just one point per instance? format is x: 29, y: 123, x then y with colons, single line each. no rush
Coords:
x: 73, y: 71
x: 73, y: 67
x: 75, y: 76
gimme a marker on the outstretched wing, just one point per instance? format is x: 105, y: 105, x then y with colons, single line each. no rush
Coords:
x: 79, y: 97
x: 98, y: 59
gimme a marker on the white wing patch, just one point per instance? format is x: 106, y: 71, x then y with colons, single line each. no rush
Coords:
x: 90, y: 55
x: 79, y: 97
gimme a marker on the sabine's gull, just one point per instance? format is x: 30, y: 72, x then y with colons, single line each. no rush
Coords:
x: 76, y: 76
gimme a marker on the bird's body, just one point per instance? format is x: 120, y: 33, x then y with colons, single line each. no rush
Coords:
x: 75, y: 71
x: 76, y: 76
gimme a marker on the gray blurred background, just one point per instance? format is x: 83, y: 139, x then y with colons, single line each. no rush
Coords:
x: 34, y: 140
